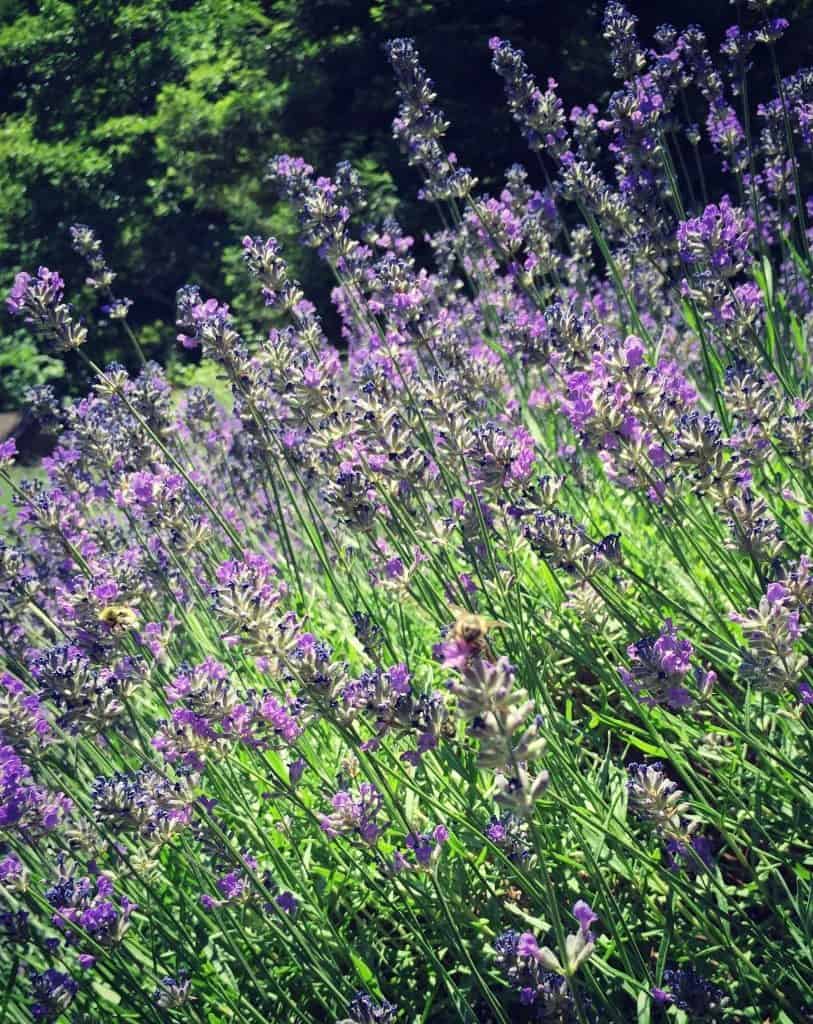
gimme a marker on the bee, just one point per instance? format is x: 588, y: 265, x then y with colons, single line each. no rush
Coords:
x: 118, y: 617
x: 514, y: 894
x: 473, y: 629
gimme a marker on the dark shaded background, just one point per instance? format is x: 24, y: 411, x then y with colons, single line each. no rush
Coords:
x: 153, y: 122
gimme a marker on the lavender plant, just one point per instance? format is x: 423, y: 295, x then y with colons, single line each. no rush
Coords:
x: 335, y: 695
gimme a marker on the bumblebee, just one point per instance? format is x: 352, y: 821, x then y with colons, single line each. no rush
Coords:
x: 118, y: 617
x: 473, y: 629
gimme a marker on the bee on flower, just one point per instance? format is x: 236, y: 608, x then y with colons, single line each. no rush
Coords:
x: 467, y: 638
x: 119, y: 617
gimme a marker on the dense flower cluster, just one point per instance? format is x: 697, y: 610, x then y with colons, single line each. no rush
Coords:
x: 659, y: 669
x: 325, y: 693
x: 39, y: 301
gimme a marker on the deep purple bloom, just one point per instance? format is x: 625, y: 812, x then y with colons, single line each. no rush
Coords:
x: 527, y: 945
x: 720, y: 238
x: 53, y: 992
x: 8, y: 449
x: 354, y: 815
x: 39, y: 301
x: 363, y: 1009
x: 584, y: 914
x: 660, y: 666
x: 24, y: 805
x: 691, y: 992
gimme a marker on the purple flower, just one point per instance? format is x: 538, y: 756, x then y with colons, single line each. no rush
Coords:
x: 201, y: 321
x: 399, y: 678
x: 690, y: 991
x: 265, y: 263
x: 660, y: 665
x: 496, y: 831
x: 772, y: 30
x: 232, y: 886
x: 725, y: 130
x: 423, y: 847
x: 23, y: 719
x: 540, y: 115
x: 287, y: 901
x: 679, y: 853
x: 634, y: 351
x: 12, y: 872
x: 583, y: 913
x: 53, y: 992
x: 363, y: 1009
x: 354, y: 815
x: 456, y: 652
x: 15, y: 927
x: 720, y: 238
x: 15, y: 302
x: 420, y: 125
x: 24, y: 806
x: 8, y: 449
x: 527, y: 945
x: 173, y: 993
x: 38, y: 300
x: 511, y: 834
x: 619, y: 29
x: 776, y: 592
x: 772, y: 630
x: 89, y: 904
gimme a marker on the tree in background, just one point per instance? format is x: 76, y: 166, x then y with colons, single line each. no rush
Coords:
x: 153, y: 121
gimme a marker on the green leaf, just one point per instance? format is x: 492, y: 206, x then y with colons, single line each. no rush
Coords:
x: 364, y: 972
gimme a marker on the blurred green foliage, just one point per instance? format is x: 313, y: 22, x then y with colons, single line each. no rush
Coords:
x: 23, y: 366
x: 152, y: 121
